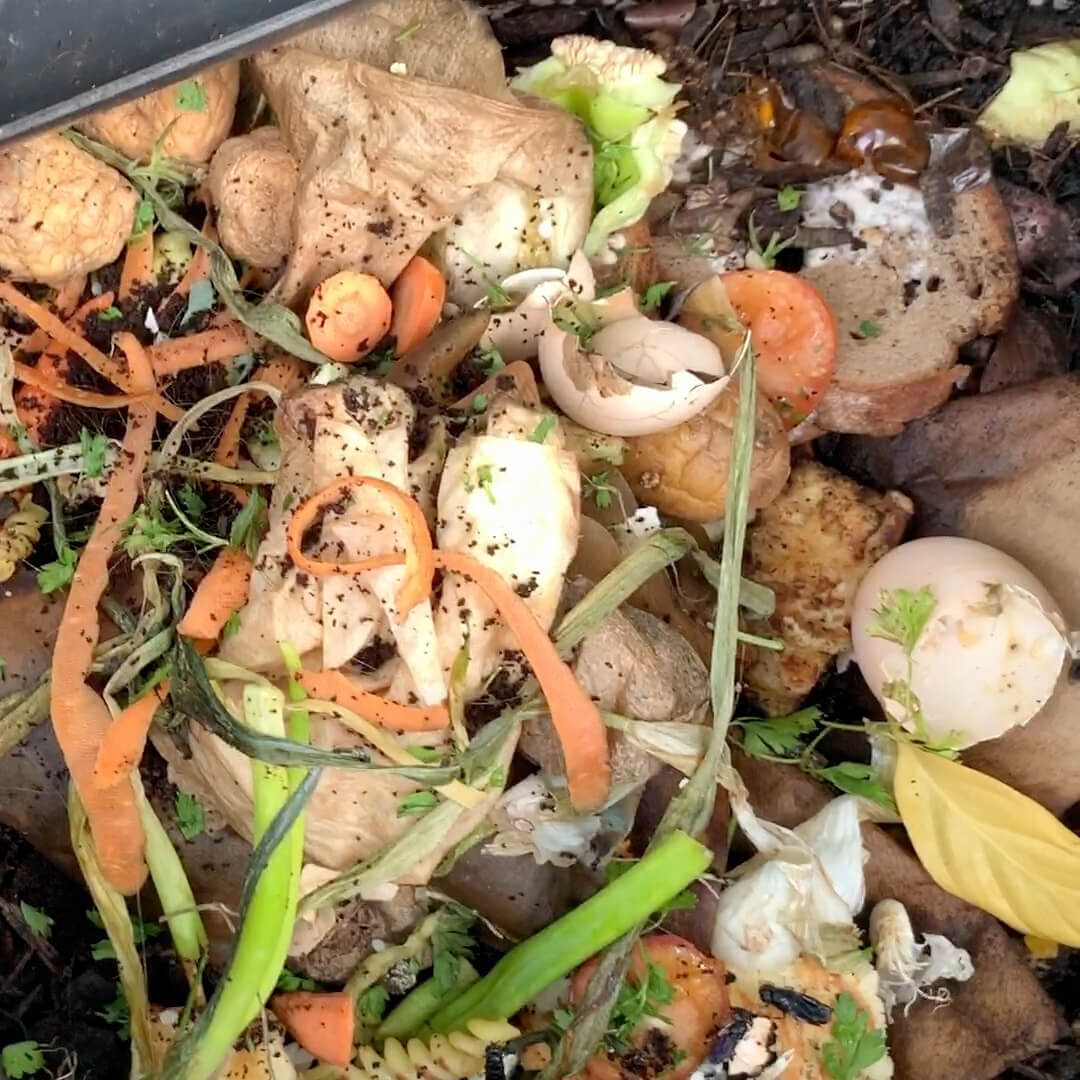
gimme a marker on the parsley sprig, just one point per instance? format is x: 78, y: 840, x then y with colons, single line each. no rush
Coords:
x: 853, y: 1047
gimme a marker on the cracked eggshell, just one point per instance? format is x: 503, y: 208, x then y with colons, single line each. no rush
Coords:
x: 991, y: 652
x: 597, y: 386
x: 516, y: 333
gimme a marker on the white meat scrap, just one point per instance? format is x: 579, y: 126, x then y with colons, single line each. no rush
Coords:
x: 513, y: 505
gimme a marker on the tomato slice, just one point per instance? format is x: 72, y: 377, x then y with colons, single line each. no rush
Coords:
x: 674, y: 1046
x: 793, y: 333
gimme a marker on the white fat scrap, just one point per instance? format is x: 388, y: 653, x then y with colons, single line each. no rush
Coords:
x: 511, y: 504
x: 872, y: 209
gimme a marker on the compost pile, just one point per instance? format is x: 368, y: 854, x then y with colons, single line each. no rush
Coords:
x: 538, y: 540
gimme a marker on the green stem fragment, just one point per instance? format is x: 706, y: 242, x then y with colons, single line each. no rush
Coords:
x: 422, y: 1002
x: 559, y: 948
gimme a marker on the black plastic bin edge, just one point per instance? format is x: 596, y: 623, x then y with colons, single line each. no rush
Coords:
x: 47, y: 79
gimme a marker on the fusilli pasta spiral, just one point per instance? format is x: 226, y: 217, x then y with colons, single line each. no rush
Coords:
x: 456, y: 1056
x: 19, y: 535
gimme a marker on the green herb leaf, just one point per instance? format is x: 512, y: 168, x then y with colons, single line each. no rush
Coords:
x: 380, y: 361
x: 417, y: 803
x: 788, y: 198
x: 147, y: 530
x: 497, y: 297
x: 201, y: 298
x: 857, y: 779
x: 289, y: 981
x: 109, y: 314
x: 902, y: 615
x: 635, y: 1002
x: 542, y: 430
x: 58, y: 574
x: 232, y: 625
x: 427, y: 754
x: 599, y: 490
x: 144, y: 218
x: 479, y: 403
x: 490, y: 359
x: 778, y: 736
x: 22, y: 1059
x: 117, y: 1012
x: 567, y: 319
x: 654, y: 295
x: 191, y: 96
x: 194, y: 505
x: 249, y: 526
x: 852, y: 1049
x: 103, y: 950
x: 484, y: 480
x: 93, y: 452
x: 38, y: 923
x: 449, y: 944
x: 868, y: 329
x: 371, y: 1005
x: 190, y: 819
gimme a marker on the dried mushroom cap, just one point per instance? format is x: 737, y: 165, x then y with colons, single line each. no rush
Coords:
x: 253, y: 182
x: 194, y: 117
x: 65, y: 212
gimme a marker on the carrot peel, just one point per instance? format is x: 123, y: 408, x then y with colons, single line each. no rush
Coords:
x: 418, y: 549
x: 336, y: 687
x: 124, y: 742
x: 221, y: 593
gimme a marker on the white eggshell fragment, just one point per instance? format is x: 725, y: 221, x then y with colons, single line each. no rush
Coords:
x: 991, y: 652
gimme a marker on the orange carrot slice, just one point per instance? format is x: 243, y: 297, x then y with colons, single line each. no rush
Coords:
x: 122, y: 748
x: 221, y: 593
x: 418, y: 551
x: 336, y: 687
x: 138, y: 269
x: 197, y: 350
x: 574, y: 714
x: 348, y: 315
x: 80, y: 717
x: 324, y: 1024
x: 418, y: 295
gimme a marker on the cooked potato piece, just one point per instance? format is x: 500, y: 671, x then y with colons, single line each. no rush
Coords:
x: 812, y: 546
x: 683, y: 471
x: 200, y: 111
x: 64, y: 212
x: 253, y: 185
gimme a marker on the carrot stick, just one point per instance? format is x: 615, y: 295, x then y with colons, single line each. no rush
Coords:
x: 75, y: 395
x: 577, y: 721
x: 138, y: 268
x: 79, y: 715
x: 524, y: 383
x: 418, y: 295
x: 418, y: 550
x: 324, y: 1024
x: 348, y: 315
x: 221, y: 593
x: 196, y: 350
x: 336, y: 687
x: 125, y: 740
x: 197, y: 270
x: 104, y: 365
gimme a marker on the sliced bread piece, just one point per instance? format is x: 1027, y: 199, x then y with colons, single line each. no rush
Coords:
x: 905, y: 298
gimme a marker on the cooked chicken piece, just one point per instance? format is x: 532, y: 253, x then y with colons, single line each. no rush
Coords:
x: 511, y: 504
x: 812, y: 546
x: 64, y: 212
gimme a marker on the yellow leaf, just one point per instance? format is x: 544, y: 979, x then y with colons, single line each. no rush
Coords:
x: 982, y: 841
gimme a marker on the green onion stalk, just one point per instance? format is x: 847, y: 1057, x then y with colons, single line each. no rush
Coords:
x: 560, y: 947
x: 271, y: 893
